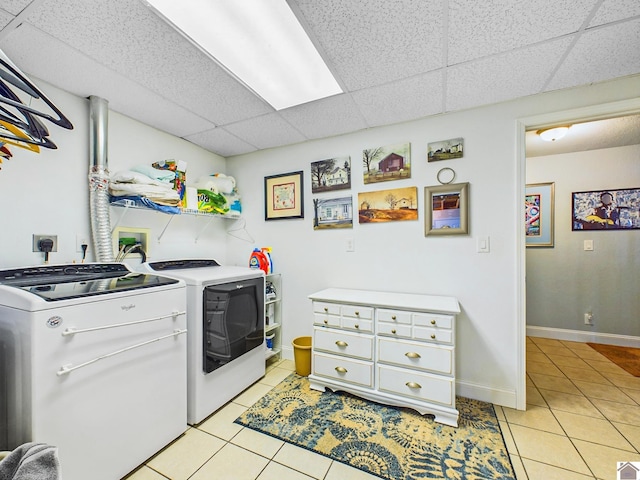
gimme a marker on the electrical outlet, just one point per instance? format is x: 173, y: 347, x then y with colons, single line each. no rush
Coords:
x: 82, y: 240
x: 588, y: 318
x: 37, y: 238
x: 349, y: 245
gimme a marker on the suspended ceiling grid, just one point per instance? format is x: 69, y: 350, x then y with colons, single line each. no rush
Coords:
x: 397, y: 60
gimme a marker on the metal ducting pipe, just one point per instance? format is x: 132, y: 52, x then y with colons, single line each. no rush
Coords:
x: 99, y: 179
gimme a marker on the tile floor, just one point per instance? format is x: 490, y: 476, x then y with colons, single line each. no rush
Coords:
x: 583, y: 416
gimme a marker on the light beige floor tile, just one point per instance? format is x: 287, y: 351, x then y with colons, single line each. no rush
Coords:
x: 232, y: 462
x: 303, y: 460
x: 532, y: 348
x: 257, y: 442
x: 564, y: 361
x: 542, y: 471
x: 287, y: 364
x: 518, y: 467
x: 546, y: 341
x: 618, y: 412
x: 557, y: 384
x: 508, y: 438
x: 529, y: 381
x: 539, y: 418
x: 183, y: 457
x: 630, y: 432
x: 144, y: 473
x: 605, y: 367
x: 538, y: 357
x: 221, y: 423
x: 499, y: 413
x: 570, y: 403
x: 252, y: 394
x: 544, y: 368
x: 592, y: 430
x: 575, y: 346
x: 275, y: 376
x: 584, y: 374
x: 556, y: 450
x: 590, y: 354
x: 603, y: 460
x: 534, y: 397
x: 275, y: 471
x: 625, y: 381
x: 633, y: 394
x: 340, y: 471
x: 557, y: 350
x: 604, y: 392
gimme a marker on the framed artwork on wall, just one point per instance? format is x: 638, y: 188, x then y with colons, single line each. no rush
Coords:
x: 390, y: 205
x: 606, y: 209
x: 446, y: 209
x: 383, y: 164
x: 539, y: 207
x: 445, y: 150
x: 332, y: 213
x: 283, y: 196
x: 331, y: 174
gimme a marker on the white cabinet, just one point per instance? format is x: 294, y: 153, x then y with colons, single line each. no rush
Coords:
x: 392, y: 348
x: 273, y: 316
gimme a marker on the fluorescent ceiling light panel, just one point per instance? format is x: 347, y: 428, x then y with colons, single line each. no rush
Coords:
x: 261, y: 42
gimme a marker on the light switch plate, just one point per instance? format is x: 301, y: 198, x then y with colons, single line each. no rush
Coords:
x: 588, y: 245
x: 483, y: 245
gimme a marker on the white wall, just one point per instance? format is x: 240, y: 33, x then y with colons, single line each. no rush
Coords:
x: 565, y: 282
x: 48, y: 193
x: 397, y: 256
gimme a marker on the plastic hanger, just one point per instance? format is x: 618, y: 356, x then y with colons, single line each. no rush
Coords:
x: 18, y: 139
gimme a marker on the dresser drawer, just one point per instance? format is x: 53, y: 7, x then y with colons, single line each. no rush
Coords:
x: 327, y: 308
x: 326, y: 320
x: 433, y: 335
x: 432, y: 320
x: 394, y: 330
x: 357, y: 324
x: 357, y: 311
x: 343, y: 343
x: 393, y: 316
x: 344, y: 369
x: 416, y: 355
x: 420, y: 386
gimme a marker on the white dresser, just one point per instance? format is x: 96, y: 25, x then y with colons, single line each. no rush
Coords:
x: 392, y: 348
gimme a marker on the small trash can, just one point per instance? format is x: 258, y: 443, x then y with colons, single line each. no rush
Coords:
x: 302, y: 355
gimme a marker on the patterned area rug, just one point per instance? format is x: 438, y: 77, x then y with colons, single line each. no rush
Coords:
x: 625, y: 357
x: 389, y: 442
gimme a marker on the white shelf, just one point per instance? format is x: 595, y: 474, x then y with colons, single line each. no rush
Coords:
x: 271, y: 327
x: 270, y: 353
x: 273, y: 312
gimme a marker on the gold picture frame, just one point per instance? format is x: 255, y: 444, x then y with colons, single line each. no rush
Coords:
x: 283, y: 196
x: 446, y: 209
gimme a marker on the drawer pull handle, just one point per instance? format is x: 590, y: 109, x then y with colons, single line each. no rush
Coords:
x: 326, y: 321
x: 340, y: 343
x: 326, y: 309
x: 357, y: 326
x: 393, y: 331
x: 393, y: 317
x: 433, y: 322
x: 357, y: 313
x: 413, y: 385
x: 412, y: 355
x: 341, y: 370
x: 433, y: 336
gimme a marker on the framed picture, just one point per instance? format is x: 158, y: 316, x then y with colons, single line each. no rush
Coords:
x: 332, y: 213
x: 539, y: 206
x: 606, y: 209
x: 388, y: 205
x: 383, y: 164
x: 446, y: 209
x: 445, y: 150
x: 331, y: 174
x: 283, y: 196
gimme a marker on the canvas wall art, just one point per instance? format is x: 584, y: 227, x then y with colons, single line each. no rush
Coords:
x: 382, y: 164
x: 332, y: 213
x: 617, y: 209
x: 331, y: 174
x: 445, y: 149
x: 388, y: 205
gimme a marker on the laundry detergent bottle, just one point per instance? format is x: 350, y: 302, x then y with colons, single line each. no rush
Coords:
x: 259, y: 260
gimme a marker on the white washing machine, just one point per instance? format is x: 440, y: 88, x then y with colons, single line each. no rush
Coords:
x: 225, y: 323
x: 94, y: 363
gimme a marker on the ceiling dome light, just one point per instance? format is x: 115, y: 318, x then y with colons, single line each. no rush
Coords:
x: 552, y: 134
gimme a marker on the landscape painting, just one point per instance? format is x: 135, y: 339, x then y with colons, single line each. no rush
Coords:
x: 445, y: 150
x: 388, y: 205
x: 331, y: 174
x: 382, y: 164
x: 332, y: 213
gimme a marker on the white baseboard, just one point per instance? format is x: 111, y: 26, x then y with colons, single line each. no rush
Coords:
x: 505, y: 398
x: 580, y: 336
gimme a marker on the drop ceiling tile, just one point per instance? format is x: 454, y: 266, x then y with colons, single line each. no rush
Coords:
x: 614, y: 10
x: 266, y: 131
x: 373, y: 42
x: 130, y: 39
x: 15, y: 6
x: 478, y: 29
x: 325, y: 118
x: 5, y: 18
x: 503, y: 77
x: 74, y: 72
x: 401, y: 101
x: 601, y: 54
x: 219, y: 141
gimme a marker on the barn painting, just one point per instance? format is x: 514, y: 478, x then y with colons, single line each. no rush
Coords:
x: 382, y: 164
